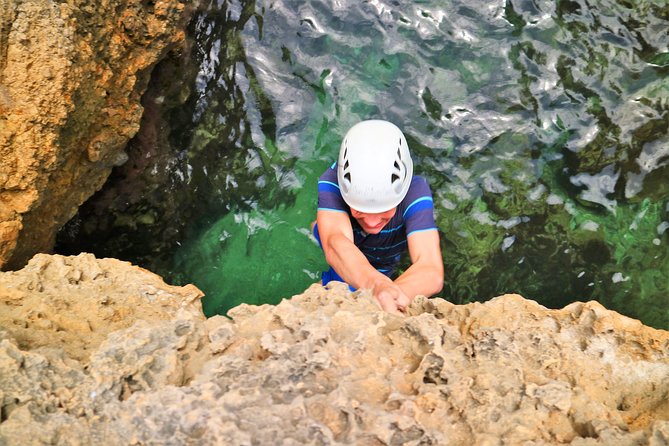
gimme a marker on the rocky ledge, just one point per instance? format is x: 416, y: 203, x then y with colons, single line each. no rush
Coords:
x: 97, y: 351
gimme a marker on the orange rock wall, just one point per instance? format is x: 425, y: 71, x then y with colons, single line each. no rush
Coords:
x: 71, y: 78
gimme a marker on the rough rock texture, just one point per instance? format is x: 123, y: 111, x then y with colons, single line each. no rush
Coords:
x: 102, y: 352
x: 71, y: 78
x: 74, y: 303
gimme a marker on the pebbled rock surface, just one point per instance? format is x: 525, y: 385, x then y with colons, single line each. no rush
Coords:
x: 97, y: 351
x: 71, y: 78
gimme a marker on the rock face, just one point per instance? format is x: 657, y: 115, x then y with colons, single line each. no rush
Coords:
x: 71, y: 78
x: 97, y: 351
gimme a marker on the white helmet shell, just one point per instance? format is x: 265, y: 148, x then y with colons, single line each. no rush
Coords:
x: 374, y: 169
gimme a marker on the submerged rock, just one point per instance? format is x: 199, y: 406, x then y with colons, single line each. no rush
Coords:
x: 97, y: 351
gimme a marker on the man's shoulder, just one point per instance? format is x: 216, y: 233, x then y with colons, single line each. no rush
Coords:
x: 419, y: 192
x: 418, y: 187
x: 330, y: 174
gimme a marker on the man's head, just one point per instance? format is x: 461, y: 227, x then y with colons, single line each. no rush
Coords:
x: 374, y: 170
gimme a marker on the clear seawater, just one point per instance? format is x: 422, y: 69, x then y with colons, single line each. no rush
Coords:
x: 542, y: 127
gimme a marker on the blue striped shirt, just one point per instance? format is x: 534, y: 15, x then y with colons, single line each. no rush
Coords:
x: 415, y: 213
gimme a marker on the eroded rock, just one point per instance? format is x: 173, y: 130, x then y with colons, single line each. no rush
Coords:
x: 71, y: 78
x: 323, y: 367
x: 76, y: 303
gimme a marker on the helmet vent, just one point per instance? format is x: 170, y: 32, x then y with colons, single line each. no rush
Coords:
x: 347, y: 176
x: 397, y: 171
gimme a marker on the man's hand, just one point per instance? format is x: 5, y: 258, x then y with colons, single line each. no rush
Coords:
x: 390, y: 297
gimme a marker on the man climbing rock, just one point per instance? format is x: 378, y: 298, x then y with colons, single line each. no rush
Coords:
x: 371, y: 209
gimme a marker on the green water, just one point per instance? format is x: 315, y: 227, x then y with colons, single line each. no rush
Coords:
x: 542, y: 127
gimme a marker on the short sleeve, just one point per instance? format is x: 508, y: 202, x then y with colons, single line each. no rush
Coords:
x: 329, y: 194
x: 418, y: 207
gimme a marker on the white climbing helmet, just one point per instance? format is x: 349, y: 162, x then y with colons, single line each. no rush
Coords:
x: 374, y: 169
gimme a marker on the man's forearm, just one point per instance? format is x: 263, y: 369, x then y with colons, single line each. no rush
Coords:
x: 425, y: 280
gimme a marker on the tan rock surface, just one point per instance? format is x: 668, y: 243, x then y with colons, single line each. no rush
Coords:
x: 71, y: 78
x: 324, y: 367
x: 75, y: 303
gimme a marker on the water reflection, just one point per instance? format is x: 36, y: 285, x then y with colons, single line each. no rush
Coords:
x: 541, y: 125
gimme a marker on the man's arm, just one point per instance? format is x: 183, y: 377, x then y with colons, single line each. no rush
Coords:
x: 351, y: 264
x: 425, y: 276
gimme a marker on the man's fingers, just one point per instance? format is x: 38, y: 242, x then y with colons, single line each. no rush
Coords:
x: 387, y: 303
x: 390, y: 298
x: 403, y: 302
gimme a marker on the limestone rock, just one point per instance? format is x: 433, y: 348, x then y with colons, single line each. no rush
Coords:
x: 71, y: 78
x: 323, y: 367
x: 76, y: 303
